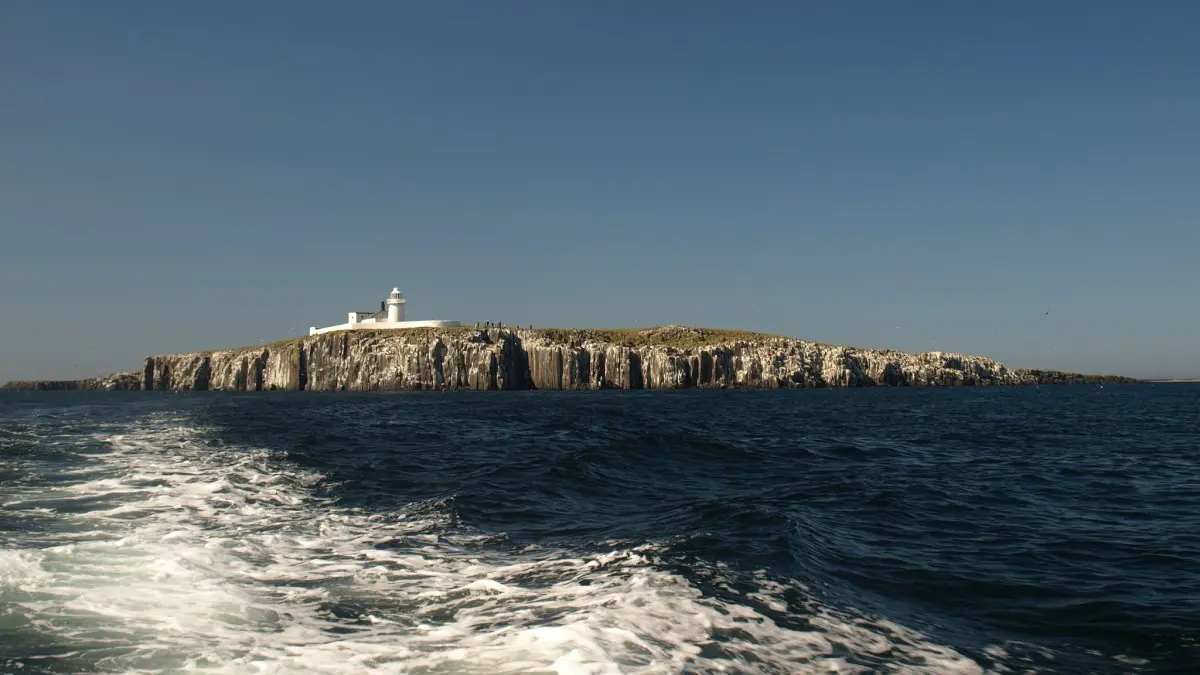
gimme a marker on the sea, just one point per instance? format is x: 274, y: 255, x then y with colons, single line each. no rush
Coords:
x: 947, y: 530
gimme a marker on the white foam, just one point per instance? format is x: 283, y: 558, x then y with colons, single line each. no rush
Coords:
x: 219, y: 560
x: 21, y: 569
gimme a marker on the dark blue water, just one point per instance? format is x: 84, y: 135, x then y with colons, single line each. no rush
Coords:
x: 911, y: 531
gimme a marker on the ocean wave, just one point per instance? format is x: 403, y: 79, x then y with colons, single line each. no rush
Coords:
x: 179, y: 554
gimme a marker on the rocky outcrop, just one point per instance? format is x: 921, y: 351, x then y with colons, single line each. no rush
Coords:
x: 670, y: 357
x: 1059, y: 377
x: 116, y: 382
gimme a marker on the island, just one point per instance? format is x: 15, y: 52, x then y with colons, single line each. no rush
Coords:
x: 384, y: 351
x: 509, y: 358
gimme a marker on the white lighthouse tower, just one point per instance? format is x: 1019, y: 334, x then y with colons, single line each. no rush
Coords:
x: 395, y: 306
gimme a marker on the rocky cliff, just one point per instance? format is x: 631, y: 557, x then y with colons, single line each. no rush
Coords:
x: 670, y: 357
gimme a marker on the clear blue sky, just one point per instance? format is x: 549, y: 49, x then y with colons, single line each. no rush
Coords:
x: 919, y: 175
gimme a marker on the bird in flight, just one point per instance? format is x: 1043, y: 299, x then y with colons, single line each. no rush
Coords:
x: 1047, y: 313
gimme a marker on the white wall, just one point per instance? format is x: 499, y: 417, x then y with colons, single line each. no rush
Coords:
x: 386, y: 326
x: 355, y: 317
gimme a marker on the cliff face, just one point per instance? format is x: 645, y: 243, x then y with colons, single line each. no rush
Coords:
x: 462, y: 358
x: 453, y: 358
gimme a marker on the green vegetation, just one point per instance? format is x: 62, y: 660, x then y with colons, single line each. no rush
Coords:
x: 257, y: 349
x: 423, y: 333
x: 680, y: 337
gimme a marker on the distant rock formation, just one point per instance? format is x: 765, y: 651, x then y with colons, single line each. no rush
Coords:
x: 669, y: 357
x: 130, y: 381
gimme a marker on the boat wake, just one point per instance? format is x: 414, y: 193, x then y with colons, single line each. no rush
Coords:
x: 165, y: 550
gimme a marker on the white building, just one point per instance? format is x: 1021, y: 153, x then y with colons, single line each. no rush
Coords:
x: 390, y: 315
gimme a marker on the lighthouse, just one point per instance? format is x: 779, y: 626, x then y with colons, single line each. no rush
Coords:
x: 395, y: 306
x: 389, y: 316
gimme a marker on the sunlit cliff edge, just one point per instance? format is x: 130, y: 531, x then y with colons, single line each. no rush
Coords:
x: 668, y: 357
